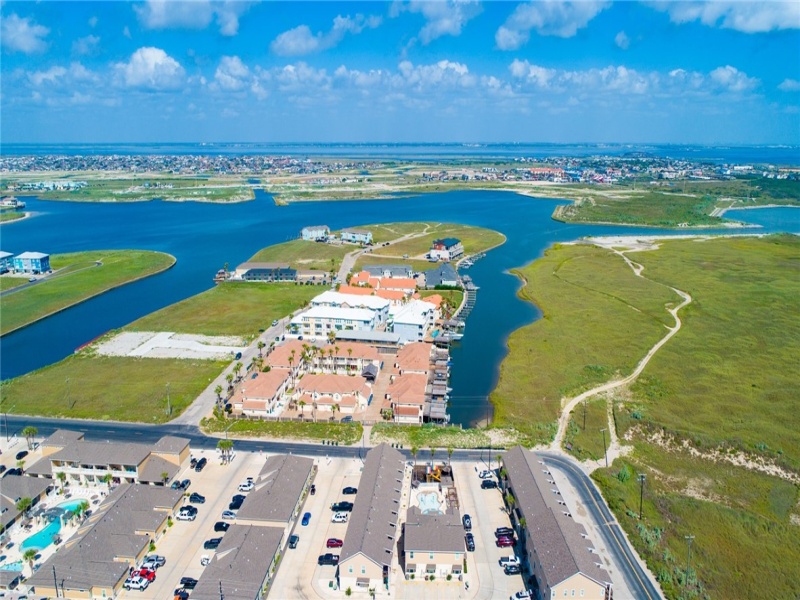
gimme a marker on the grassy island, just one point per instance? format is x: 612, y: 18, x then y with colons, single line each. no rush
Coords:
x: 76, y: 277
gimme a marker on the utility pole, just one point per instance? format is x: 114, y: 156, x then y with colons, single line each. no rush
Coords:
x: 641, y: 494
x: 221, y: 597
x: 603, y: 431
x: 55, y: 581
x: 689, y: 539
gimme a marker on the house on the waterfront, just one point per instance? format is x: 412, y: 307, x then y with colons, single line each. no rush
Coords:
x: 444, y: 275
x: 32, y: 262
x: 406, y: 396
x: 313, y: 277
x: 379, y: 306
x: 433, y: 544
x: 389, y: 271
x: 259, y: 396
x: 412, y: 320
x: 446, y: 249
x: 393, y: 296
x: 356, y: 236
x: 6, y: 262
x: 315, y: 233
x: 553, y: 547
x: 323, y: 391
x: 318, y: 321
x: 366, y: 556
x: 265, y: 271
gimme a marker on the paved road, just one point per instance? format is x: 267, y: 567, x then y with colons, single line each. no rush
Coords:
x: 625, y: 557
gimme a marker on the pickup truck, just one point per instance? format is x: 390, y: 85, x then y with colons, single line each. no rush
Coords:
x: 342, y: 507
x: 136, y: 583
x: 509, y: 560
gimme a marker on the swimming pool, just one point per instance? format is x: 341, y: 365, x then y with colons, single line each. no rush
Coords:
x: 14, y: 566
x: 44, y: 537
x: 429, y: 503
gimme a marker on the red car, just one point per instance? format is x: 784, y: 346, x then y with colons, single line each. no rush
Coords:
x: 505, y: 542
x: 146, y: 574
x: 334, y: 543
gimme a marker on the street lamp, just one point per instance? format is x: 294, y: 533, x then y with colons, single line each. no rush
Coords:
x: 641, y: 494
x: 603, y: 431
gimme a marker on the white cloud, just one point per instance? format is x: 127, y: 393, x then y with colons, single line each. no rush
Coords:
x: 301, y: 77
x: 622, y: 40
x: 231, y: 74
x: 789, y: 85
x: 126, y: 32
x: 744, y: 16
x: 732, y: 79
x: 51, y: 75
x: 443, y: 73
x: 191, y: 14
x: 151, y: 68
x: 442, y: 17
x: 62, y: 75
x: 86, y: 45
x: 92, y: 22
x: 546, y: 17
x: 300, y: 40
x: 21, y: 34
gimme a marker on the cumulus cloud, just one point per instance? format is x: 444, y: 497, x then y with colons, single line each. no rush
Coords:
x: 732, y: 79
x: 193, y: 14
x: 789, y: 85
x: 441, y: 18
x: 150, y: 68
x: 745, y: 16
x: 58, y: 74
x: 231, y: 74
x: 301, y: 41
x: 546, y: 17
x: 622, y: 40
x: 442, y: 73
x: 86, y: 45
x: 22, y: 34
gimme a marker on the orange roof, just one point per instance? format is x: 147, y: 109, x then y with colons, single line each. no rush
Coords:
x: 415, y: 356
x: 408, y: 389
x: 398, y: 283
x: 264, y: 386
x: 392, y: 295
x: 434, y: 299
x: 349, y: 401
x: 279, y: 357
x: 408, y: 411
x: 362, y: 351
x: 356, y: 291
x: 364, y: 278
x: 325, y: 383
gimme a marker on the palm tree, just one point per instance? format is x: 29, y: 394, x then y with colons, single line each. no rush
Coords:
x: 83, y: 507
x: 302, y: 405
x: 261, y: 345
x: 510, y: 500
x: 218, y: 392
x: 229, y: 379
x: 225, y: 446
x: 336, y: 351
x: 164, y: 477
x: 62, y: 478
x: 330, y: 359
x: 29, y: 556
x: 334, y: 408
x: 20, y: 464
x: 107, y: 479
x: 238, y: 367
x: 449, y: 454
x: 314, y: 410
x: 30, y: 432
x: 23, y: 505
x: 414, y: 452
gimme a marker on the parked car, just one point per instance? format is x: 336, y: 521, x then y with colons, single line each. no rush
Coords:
x: 306, y: 519
x: 181, y: 594
x: 238, y: 355
x: 176, y: 485
x: 13, y: 472
x: 342, y: 507
x: 347, y: 419
x: 228, y: 515
x: 523, y: 595
x: 148, y: 574
x: 350, y: 491
x: 2, y: 468
x: 136, y: 583
x: 275, y: 322
x: 467, y: 521
x: 187, y: 513
x: 334, y: 543
x: 470, y: 539
x: 485, y: 474
x: 504, y: 542
x: 509, y: 560
x: 212, y: 544
x: 159, y: 561
x: 22, y: 454
x: 196, y: 498
x: 339, y: 517
x: 328, y: 559
x: 188, y: 583
x: 246, y: 486
x: 192, y: 462
x: 235, y: 504
x: 293, y: 540
x: 488, y: 484
x: 313, y: 489
x: 221, y: 527
x: 185, y: 484
x: 503, y: 531
x: 512, y: 569
x: 201, y: 464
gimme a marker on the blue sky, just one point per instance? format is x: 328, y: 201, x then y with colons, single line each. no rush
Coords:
x: 436, y: 71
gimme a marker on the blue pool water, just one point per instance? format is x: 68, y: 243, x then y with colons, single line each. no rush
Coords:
x: 429, y: 503
x: 43, y: 538
x: 14, y: 566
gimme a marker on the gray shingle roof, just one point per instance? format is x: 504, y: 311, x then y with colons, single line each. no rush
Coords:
x: 40, y: 467
x: 62, y: 437
x: 558, y: 541
x: 392, y: 270
x: 15, y: 487
x: 153, y: 468
x: 103, y: 453
x: 240, y: 563
x: 376, y: 508
x: 169, y: 444
x: 277, y: 489
x: 9, y: 577
x: 444, y: 272
x: 433, y: 532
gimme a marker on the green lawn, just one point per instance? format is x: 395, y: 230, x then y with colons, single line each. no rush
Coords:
x: 7, y: 283
x: 84, y: 386
x: 429, y: 435
x: 599, y: 321
x: 341, y: 433
x: 302, y: 254
x: 583, y: 432
x: 474, y: 239
x: 233, y: 308
x: 7, y: 216
x: 417, y: 266
x: 80, y: 279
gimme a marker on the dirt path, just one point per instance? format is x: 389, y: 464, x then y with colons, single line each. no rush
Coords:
x: 614, y: 445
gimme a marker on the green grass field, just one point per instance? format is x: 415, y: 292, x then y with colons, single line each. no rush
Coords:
x: 76, y: 279
x: 599, y: 321
x: 85, y: 386
x: 583, y: 432
x: 342, y: 433
x: 371, y: 259
x: 7, y: 216
x: 302, y: 254
x: 8, y: 283
x: 453, y: 297
x: 474, y: 239
x: 234, y: 308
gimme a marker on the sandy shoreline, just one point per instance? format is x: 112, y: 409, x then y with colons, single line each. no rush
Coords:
x: 724, y: 210
x: 650, y: 242
x: 22, y: 218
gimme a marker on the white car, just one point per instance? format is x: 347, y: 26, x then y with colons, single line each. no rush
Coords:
x: 228, y: 514
x: 186, y: 516
x: 485, y: 474
x: 523, y: 595
x: 136, y: 583
x: 509, y: 560
x: 339, y: 517
x: 204, y: 560
x: 247, y: 486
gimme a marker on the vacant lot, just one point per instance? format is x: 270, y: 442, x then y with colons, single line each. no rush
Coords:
x: 78, y: 277
x: 474, y: 239
x: 341, y: 433
x: 84, y: 386
x: 302, y: 254
x: 234, y: 308
x: 599, y: 321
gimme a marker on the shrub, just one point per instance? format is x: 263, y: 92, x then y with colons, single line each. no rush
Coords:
x: 348, y: 592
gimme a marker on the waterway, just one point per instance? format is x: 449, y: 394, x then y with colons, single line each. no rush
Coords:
x: 203, y: 237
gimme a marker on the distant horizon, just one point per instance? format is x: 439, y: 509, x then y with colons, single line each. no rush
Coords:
x: 411, y: 143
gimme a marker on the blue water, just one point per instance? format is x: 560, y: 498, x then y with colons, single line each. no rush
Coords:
x: 44, y: 537
x: 204, y: 236
x: 429, y: 503
x: 14, y: 566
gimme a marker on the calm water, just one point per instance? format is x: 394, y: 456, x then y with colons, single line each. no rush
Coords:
x: 205, y: 236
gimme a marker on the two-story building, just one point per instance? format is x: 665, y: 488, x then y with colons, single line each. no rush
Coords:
x: 6, y: 262
x: 356, y: 236
x: 265, y: 271
x: 12, y: 490
x: 32, y: 262
x: 446, y: 249
x: 318, y: 321
x: 390, y: 271
x: 336, y: 299
x: 433, y: 544
x: 314, y: 233
x: 323, y: 391
x: 259, y: 396
x: 443, y: 275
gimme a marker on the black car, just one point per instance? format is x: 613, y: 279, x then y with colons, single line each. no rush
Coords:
x: 188, y: 583
x: 185, y: 484
x: 488, y: 484
x: 328, y: 559
x: 196, y: 498
x: 512, y: 569
x: 2, y: 468
x: 221, y: 526
x: 200, y: 464
x: 349, y: 491
x: 342, y: 507
x: 212, y: 544
x: 22, y: 454
x: 470, y: 539
x: 293, y: 539
x: 467, y: 521
x: 181, y: 594
x: 236, y: 502
x: 503, y: 532
x: 238, y: 355
x: 13, y: 472
x: 238, y: 498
